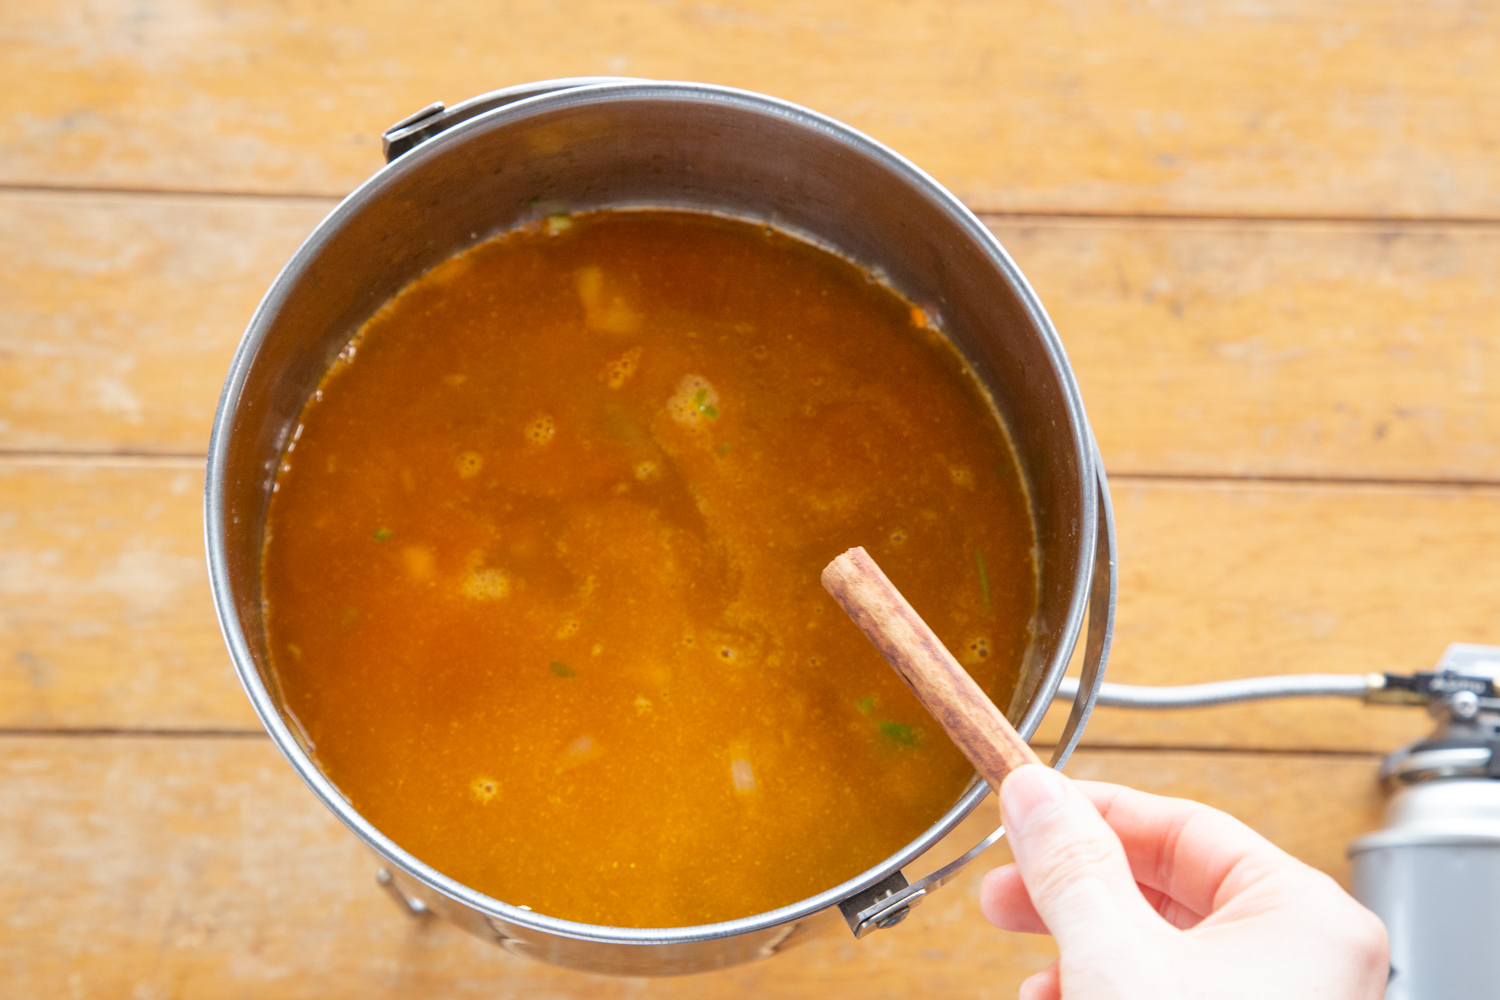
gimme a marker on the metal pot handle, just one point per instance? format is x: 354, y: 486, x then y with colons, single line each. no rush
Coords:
x: 887, y: 902
x: 413, y: 130
x: 1102, y: 594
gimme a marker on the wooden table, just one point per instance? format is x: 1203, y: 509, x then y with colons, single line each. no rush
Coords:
x: 1269, y: 234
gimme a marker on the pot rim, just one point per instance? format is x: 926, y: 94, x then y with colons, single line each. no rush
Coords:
x: 575, y: 92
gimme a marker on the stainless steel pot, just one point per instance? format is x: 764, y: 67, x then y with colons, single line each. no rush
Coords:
x: 461, y: 175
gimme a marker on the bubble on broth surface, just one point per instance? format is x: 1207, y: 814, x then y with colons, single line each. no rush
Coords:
x: 541, y: 429
x: 486, y: 585
x: 618, y: 371
x: 469, y: 464
x: 484, y: 788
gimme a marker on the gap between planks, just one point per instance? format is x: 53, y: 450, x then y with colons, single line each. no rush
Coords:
x: 104, y: 459
x: 118, y: 732
x: 1043, y: 750
x: 64, y: 191
x: 993, y: 217
x: 188, y: 460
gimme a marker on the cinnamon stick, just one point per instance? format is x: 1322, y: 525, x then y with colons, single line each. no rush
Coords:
x: 958, y: 704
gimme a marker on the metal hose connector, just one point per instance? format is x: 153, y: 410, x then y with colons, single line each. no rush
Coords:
x: 1230, y: 692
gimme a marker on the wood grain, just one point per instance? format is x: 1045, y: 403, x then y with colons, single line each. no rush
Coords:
x: 939, y: 681
x: 1232, y: 579
x: 184, y: 866
x: 1350, y: 107
x: 123, y: 313
x: 191, y: 867
x: 1354, y: 351
x: 1310, y: 350
x: 105, y: 618
x: 105, y: 614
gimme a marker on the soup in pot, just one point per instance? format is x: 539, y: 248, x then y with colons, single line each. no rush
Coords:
x: 542, y: 566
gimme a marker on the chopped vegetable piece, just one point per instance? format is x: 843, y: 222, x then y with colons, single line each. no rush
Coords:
x: 383, y: 534
x: 900, y: 733
x: 562, y: 669
x: 984, y: 582
x: 712, y: 412
x: 723, y: 447
x: 865, y: 705
x: 558, y: 223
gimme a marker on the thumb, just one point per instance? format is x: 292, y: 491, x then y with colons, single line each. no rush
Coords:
x: 1072, y: 863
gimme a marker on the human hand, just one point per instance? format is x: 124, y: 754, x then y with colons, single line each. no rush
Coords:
x: 1166, y: 899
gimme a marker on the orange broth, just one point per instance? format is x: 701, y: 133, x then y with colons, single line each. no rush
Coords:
x: 542, y: 567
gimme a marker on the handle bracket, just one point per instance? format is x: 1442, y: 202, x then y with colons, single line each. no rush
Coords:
x: 413, y: 130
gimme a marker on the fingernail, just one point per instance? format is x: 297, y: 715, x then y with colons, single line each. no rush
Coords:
x: 1028, y: 793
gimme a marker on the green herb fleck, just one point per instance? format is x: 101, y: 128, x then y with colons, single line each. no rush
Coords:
x: 562, y: 669
x: 723, y: 447
x: 383, y: 534
x: 701, y: 404
x: 533, y: 199
x: 984, y: 581
x: 900, y: 733
x: 865, y: 705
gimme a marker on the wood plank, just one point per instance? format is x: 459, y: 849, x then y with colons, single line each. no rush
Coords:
x: 123, y: 313
x: 1358, y: 351
x: 1317, y: 350
x: 210, y: 871
x: 106, y: 621
x: 1227, y: 580
x: 105, y: 614
x: 1353, y: 107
